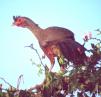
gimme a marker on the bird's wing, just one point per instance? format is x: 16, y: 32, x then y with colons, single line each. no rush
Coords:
x: 58, y: 33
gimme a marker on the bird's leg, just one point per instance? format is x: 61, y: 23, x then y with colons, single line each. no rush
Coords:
x: 50, y: 69
x: 61, y: 60
x: 52, y: 60
x: 56, y: 50
x: 49, y: 53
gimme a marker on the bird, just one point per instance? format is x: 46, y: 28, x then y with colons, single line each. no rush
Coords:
x: 54, y: 41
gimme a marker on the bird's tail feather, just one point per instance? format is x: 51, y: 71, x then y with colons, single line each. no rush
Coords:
x: 73, y: 51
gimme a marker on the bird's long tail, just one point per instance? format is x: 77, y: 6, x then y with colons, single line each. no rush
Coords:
x: 73, y: 51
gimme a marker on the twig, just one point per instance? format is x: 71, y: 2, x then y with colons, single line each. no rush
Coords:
x: 19, y: 80
x: 96, y: 39
x: 98, y: 30
x: 31, y: 46
x: 91, y: 39
x: 6, y: 82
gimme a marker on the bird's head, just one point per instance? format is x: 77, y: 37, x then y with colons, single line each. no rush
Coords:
x: 24, y: 22
x: 20, y: 21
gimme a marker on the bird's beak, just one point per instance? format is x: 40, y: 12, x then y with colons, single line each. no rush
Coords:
x: 13, y: 24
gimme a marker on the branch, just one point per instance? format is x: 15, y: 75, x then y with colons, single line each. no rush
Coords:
x: 19, y: 80
x: 96, y: 39
x: 31, y: 46
x: 6, y: 82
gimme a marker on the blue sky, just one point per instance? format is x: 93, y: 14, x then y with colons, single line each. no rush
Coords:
x: 80, y: 16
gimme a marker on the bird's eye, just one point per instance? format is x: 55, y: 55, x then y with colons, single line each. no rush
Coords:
x: 19, y: 20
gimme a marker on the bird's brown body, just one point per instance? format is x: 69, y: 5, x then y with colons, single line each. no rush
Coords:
x: 55, y: 41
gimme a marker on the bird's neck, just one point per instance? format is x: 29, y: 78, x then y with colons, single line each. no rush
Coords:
x: 36, y: 30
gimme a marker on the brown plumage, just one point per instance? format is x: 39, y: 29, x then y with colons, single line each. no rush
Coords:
x: 59, y: 38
